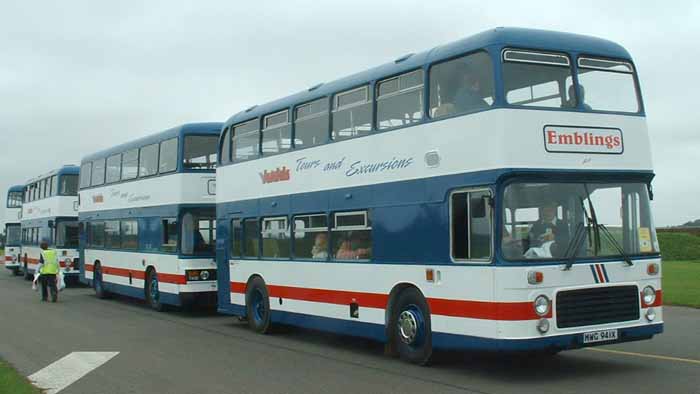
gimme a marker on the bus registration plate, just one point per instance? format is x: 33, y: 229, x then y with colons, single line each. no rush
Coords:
x: 599, y: 336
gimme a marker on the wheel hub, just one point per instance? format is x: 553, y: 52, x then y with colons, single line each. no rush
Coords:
x: 408, y: 327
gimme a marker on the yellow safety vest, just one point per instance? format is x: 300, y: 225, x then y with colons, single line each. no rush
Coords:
x: 50, y: 266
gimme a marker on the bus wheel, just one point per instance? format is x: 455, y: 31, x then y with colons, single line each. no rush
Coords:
x: 410, y: 323
x: 153, y: 292
x: 97, y: 282
x: 258, y: 306
x: 15, y: 271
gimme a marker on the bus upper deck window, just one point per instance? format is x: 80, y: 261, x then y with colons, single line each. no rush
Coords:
x: 352, y: 113
x: 537, y: 79
x: 311, y: 123
x: 276, y: 133
x: 200, y: 152
x: 607, y: 85
x: 400, y: 100
x: 461, y: 85
x: 245, y: 141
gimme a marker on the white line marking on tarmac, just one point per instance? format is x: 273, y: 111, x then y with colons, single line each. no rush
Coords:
x: 69, y: 370
x: 644, y: 355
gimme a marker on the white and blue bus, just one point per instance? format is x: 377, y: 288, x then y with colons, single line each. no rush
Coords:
x: 147, y: 216
x: 490, y: 193
x: 13, y: 230
x: 50, y: 214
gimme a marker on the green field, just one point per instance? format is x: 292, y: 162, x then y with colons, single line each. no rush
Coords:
x: 679, y: 246
x: 681, y: 268
x: 681, y: 283
x: 13, y: 383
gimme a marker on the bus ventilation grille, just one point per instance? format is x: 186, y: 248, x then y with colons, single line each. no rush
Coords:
x: 600, y: 305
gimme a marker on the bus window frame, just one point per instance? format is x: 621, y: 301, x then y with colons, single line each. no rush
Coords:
x: 422, y: 87
x: 635, y: 77
x: 275, y: 126
x: 327, y: 112
x: 369, y: 87
x: 491, y: 212
x: 571, y: 65
x: 258, y: 152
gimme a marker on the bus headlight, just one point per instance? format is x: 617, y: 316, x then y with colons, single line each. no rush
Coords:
x: 204, y: 275
x: 541, y: 305
x: 648, y: 295
x: 543, y: 326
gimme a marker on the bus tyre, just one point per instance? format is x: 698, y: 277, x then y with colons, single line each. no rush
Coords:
x: 410, y: 329
x: 153, y: 291
x: 98, y: 284
x: 257, y: 304
x: 15, y: 271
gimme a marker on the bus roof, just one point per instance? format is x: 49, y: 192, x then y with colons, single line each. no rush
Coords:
x: 16, y: 188
x: 65, y: 170
x: 501, y: 36
x: 208, y: 128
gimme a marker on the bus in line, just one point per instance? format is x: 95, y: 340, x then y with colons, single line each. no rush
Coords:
x: 147, y: 217
x: 50, y: 214
x: 490, y: 193
x: 13, y: 231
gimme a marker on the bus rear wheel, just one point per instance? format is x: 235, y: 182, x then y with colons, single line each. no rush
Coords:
x: 410, y: 327
x: 258, y: 306
x: 153, y: 291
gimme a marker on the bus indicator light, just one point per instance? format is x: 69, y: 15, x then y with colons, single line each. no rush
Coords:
x: 535, y: 277
x: 652, y: 268
x: 430, y: 275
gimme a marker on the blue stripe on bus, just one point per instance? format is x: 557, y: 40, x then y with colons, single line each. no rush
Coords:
x: 139, y: 293
x: 605, y: 273
x: 410, y: 219
x: 595, y: 274
x: 443, y: 340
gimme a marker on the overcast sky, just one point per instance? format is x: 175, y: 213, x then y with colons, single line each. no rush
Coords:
x: 80, y: 76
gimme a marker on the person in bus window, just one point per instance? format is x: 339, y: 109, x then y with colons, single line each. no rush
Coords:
x: 345, y: 251
x: 571, y: 102
x: 320, y: 248
x: 468, y: 97
x: 549, y: 228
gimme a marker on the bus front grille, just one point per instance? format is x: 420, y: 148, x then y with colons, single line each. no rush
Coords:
x: 599, y: 305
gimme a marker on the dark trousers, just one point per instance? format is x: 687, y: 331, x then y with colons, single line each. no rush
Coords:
x: 50, y: 282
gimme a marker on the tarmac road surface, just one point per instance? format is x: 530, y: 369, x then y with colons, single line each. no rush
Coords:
x: 177, y: 352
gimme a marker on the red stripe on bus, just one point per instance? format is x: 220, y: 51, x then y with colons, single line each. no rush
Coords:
x: 8, y: 258
x: 600, y: 273
x: 438, y: 306
x: 136, y: 274
x: 37, y: 261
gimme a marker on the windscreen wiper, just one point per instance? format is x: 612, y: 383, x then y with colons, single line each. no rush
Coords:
x: 606, y: 232
x: 616, y: 244
x: 574, y: 246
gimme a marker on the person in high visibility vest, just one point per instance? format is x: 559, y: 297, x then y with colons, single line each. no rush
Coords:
x: 48, y: 269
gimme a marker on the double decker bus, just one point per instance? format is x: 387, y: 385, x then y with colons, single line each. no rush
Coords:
x: 50, y: 214
x: 13, y: 231
x: 147, y: 216
x: 478, y: 195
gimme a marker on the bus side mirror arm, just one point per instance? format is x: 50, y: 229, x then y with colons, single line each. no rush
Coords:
x: 651, y: 192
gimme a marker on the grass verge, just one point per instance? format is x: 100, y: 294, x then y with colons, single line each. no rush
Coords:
x: 681, y: 283
x: 12, y: 382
